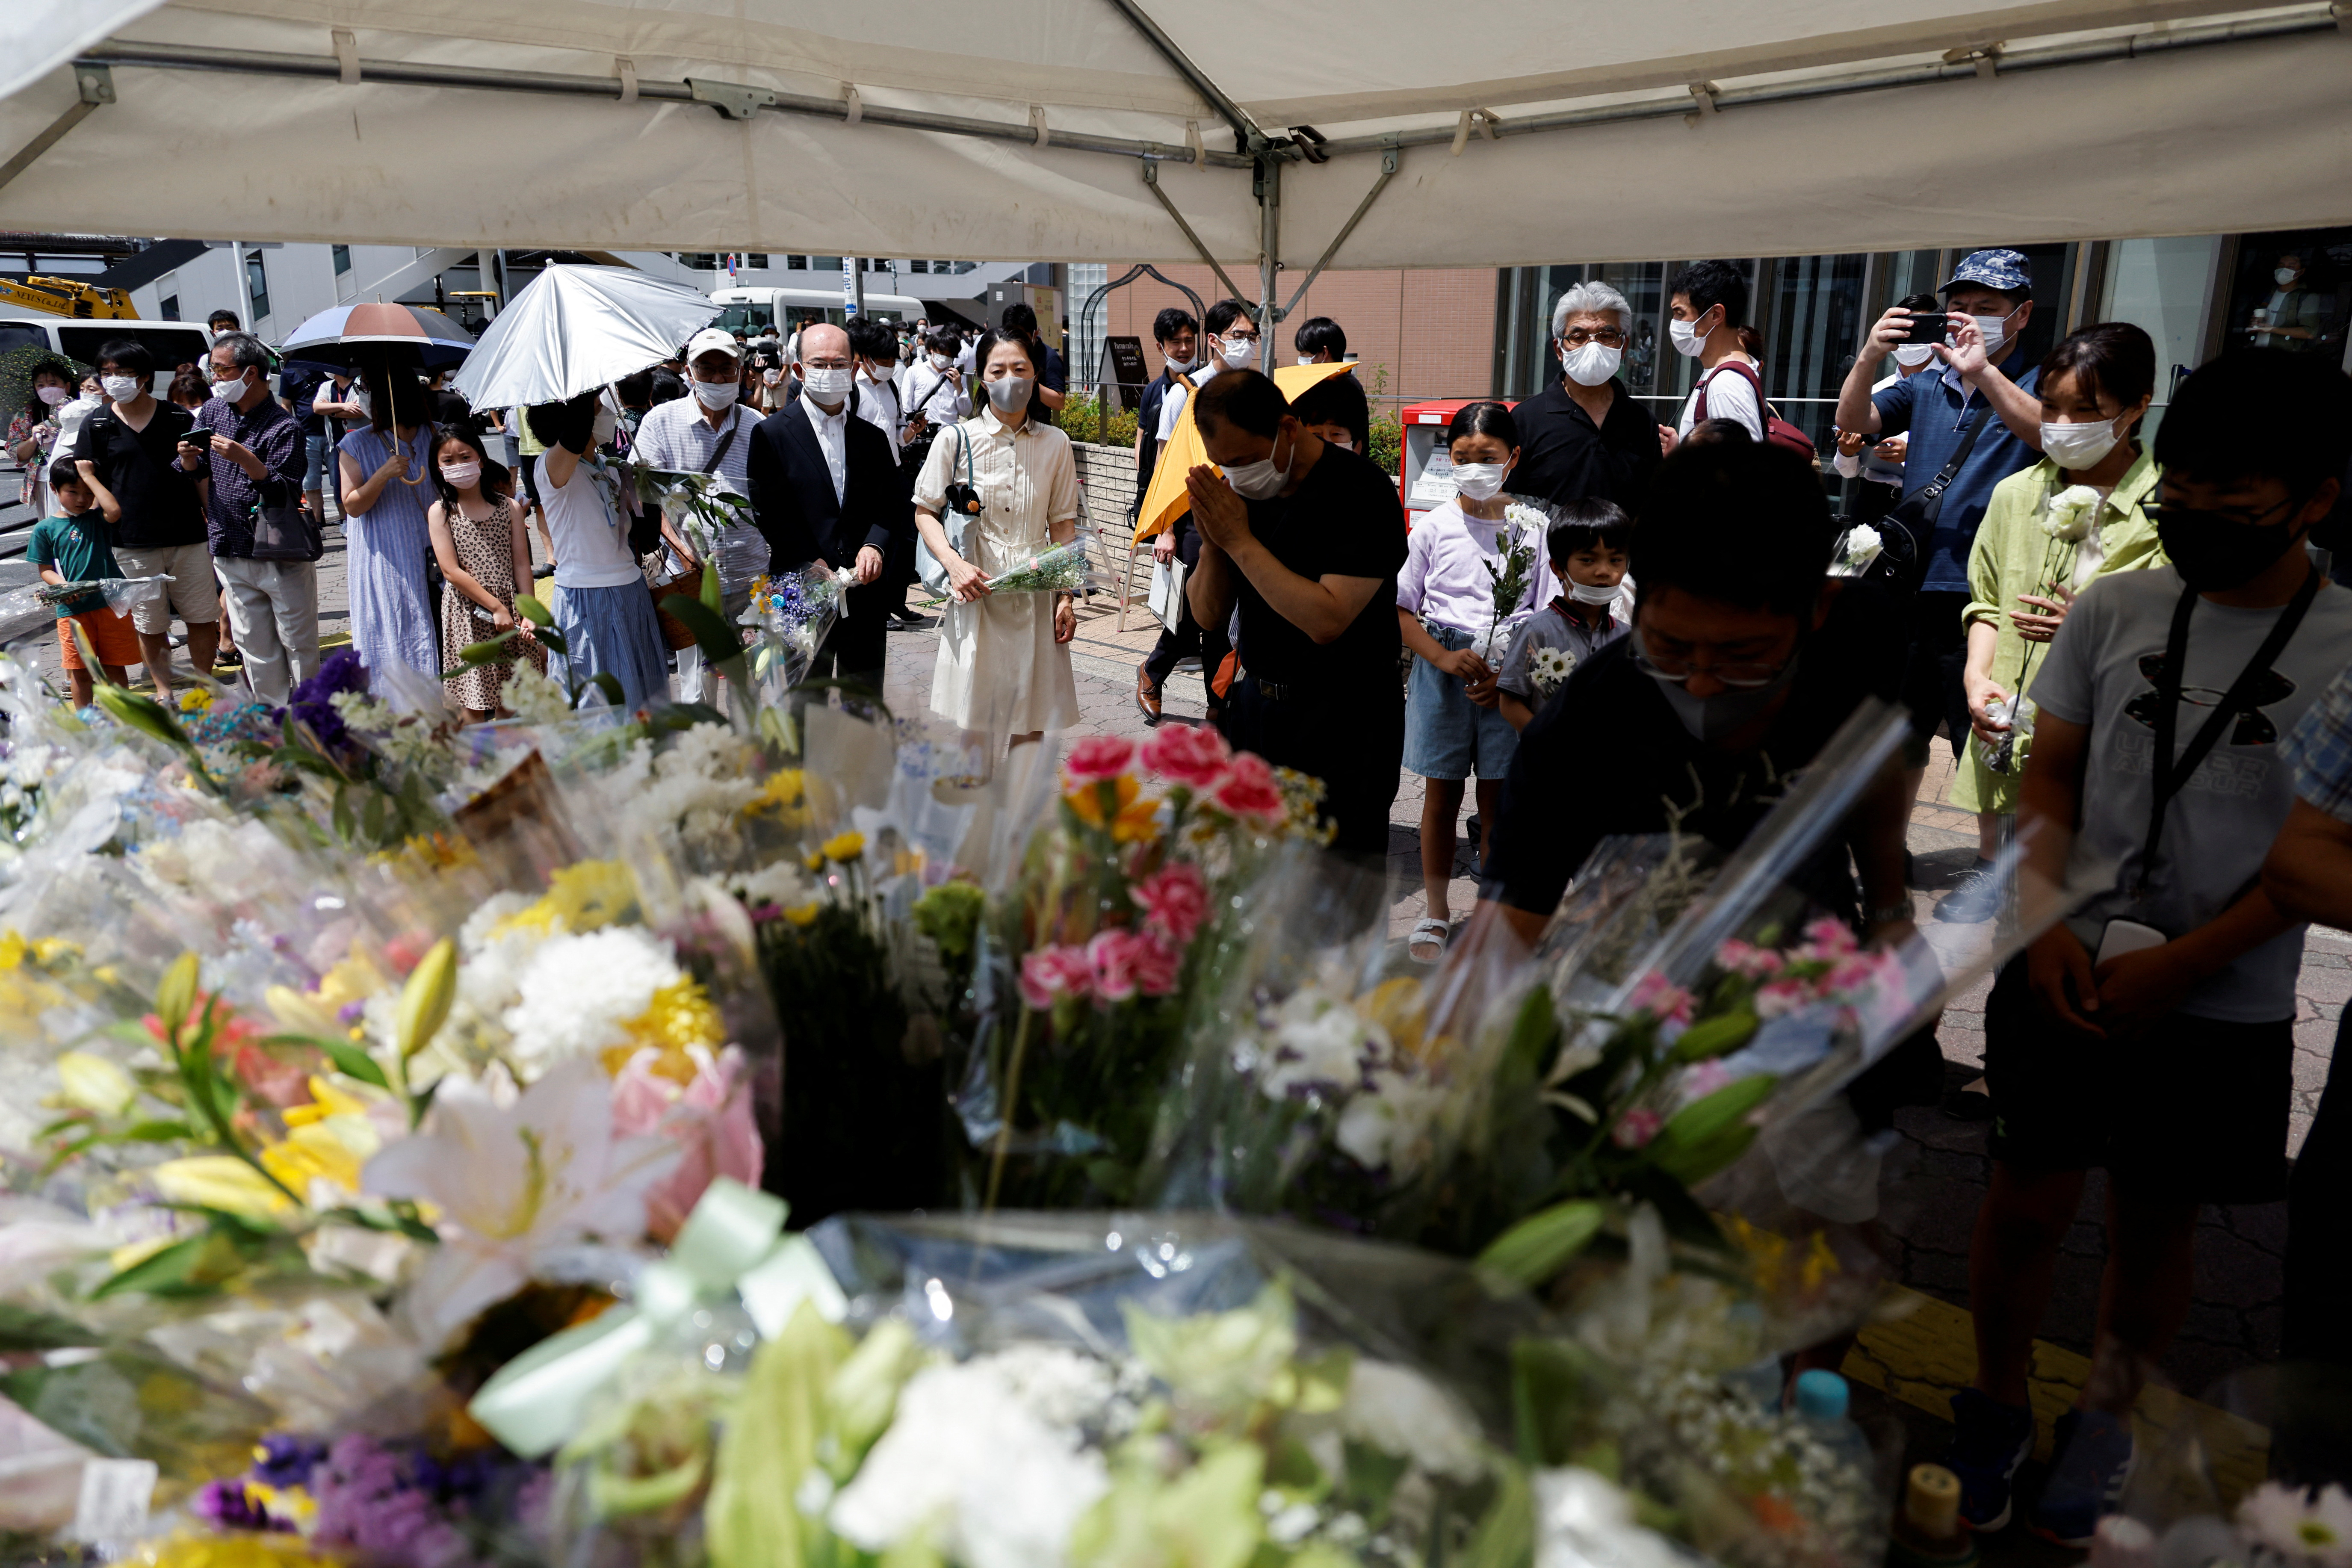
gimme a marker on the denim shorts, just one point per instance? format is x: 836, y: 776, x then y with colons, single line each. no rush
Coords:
x: 314, y: 463
x: 1447, y: 735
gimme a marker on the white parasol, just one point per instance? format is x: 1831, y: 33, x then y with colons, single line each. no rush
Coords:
x: 573, y: 329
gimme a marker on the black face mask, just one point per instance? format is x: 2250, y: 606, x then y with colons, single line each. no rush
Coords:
x: 2214, y: 552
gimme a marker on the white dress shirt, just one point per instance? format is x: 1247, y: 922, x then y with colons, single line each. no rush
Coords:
x: 833, y: 437
x: 676, y: 436
x: 923, y: 395
x: 877, y: 404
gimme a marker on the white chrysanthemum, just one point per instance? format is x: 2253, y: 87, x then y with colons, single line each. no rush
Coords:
x: 973, y: 1462
x: 577, y: 992
x: 783, y: 884
x: 2298, y: 1526
x: 476, y: 932
x: 535, y: 698
x: 1397, y: 1411
x: 1318, y: 1040
x: 701, y: 786
x: 2070, y: 513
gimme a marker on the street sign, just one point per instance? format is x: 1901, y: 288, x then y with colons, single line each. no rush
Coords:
x: 1125, y: 356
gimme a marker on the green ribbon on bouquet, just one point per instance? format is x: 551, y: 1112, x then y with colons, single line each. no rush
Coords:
x: 733, y: 1242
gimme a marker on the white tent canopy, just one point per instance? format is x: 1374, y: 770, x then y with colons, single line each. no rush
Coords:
x: 1518, y: 131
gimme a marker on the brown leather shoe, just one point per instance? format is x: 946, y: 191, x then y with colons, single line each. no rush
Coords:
x: 1147, y: 696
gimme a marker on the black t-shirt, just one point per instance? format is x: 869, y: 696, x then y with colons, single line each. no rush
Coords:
x: 1564, y: 456
x: 1607, y: 755
x: 1344, y: 521
x: 301, y: 390
x: 159, y: 506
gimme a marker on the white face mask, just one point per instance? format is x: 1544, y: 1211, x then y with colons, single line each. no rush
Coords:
x: 1592, y: 364
x: 716, y: 395
x: 2079, y: 447
x: 462, y: 475
x: 1686, y: 337
x: 607, y: 422
x: 1914, y: 355
x: 1261, y: 479
x: 2283, y: 276
x: 1181, y: 366
x: 1480, y: 481
x: 230, y: 391
x: 122, y: 388
x: 1344, y: 443
x: 1009, y: 393
x: 940, y: 361
x: 1236, y: 353
x: 53, y: 396
x: 1592, y: 594
x: 1305, y: 359
x: 1995, y: 330
x: 826, y: 385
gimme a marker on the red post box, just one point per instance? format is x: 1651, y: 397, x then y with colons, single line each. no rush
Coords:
x: 1425, y: 467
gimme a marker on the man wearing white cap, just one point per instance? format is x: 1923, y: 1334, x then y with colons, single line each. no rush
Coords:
x: 710, y: 433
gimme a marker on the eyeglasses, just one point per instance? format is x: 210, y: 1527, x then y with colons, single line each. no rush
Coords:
x: 1678, y: 670
x: 1244, y: 337
x: 1607, y: 337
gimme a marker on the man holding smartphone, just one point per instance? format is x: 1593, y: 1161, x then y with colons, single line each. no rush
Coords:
x: 2152, y: 1033
x: 1973, y: 417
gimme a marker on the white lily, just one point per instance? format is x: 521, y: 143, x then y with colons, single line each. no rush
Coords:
x: 511, y: 1182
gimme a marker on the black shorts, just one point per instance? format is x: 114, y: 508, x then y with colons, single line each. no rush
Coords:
x: 530, y: 464
x: 1932, y: 668
x: 2193, y: 1111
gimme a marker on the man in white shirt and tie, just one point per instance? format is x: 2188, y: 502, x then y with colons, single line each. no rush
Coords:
x: 827, y: 493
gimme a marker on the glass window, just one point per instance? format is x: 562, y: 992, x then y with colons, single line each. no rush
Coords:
x: 1643, y: 285
x: 757, y: 260
x: 169, y: 307
x: 257, y: 283
x: 2305, y: 315
x: 1811, y: 335
x: 171, y: 346
x: 921, y: 267
x: 796, y: 263
x: 342, y: 259
x: 2164, y: 286
x: 14, y: 337
x: 826, y: 263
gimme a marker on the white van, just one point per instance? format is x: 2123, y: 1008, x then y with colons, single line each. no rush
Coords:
x: 749, y: 310
x: 173, y: 344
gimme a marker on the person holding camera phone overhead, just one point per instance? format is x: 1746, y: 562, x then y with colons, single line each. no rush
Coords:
x: 1005, y: 659
x: 1973, y: 417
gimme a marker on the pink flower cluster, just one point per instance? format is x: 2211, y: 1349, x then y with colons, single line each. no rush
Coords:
x: 1662, y: 999
x: 1115, y: 966
x: 710, y: 1120
x: 1636, y: 1127
x: 1195, y: 758
x: 1829, y: 965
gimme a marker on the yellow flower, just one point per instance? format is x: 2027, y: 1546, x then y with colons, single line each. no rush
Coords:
x: 332, y: 1148
x: 299, y: 1014
x: 93, y: 1083
x: 806, y: 915
x: 1397, y: 1006
x: 846, y: 845
x: 786, y: 794
x: 195, y: 699
x: 48, y: 950
x: 326, y: 1101
x: 354, y: 979
x: 583, y: 898
x: 219, y: 1182
x: 229, y: 1549
x: 1136, y: 821
x: 13, y: 949
x: 814, y: 860
x: 680, y: 1015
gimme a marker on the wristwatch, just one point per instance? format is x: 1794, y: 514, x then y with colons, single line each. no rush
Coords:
x: 1887, y: 914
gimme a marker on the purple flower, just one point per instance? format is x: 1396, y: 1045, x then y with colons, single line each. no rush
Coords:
x: 230, y: 1506
x: 311, y: 702
x: 369, y: 1500
x: 287, y: 1460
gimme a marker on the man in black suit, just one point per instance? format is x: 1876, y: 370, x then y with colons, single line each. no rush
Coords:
x: 825, y: 491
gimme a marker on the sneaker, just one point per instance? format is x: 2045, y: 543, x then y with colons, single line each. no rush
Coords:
x: 1974, y: 900
x: 2089, y: 1459
x: 1989, y: 1440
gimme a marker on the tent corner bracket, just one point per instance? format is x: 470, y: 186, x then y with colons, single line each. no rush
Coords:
x: 93, y: 86
x: 733, y: 99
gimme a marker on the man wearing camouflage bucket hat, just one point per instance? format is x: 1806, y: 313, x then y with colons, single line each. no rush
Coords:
x: 1972, y: 417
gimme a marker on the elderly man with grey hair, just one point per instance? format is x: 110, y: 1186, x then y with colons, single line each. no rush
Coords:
x: 1583, y: 437
x: 256, y: 463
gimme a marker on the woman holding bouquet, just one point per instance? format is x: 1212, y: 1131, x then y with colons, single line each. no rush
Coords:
x: 1004, y: 658
x: 1471, y: 576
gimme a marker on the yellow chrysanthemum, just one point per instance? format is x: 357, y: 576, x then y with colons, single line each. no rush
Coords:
x: 846, y: 845
x: 680, y: 1015
x: 229, y: 1549
x: 583, y: 898
x: 13, y: 949
x: 195, y: 699
x: 802, y: 915
x: 1136, y: 819
x: 784, y: 795
x: 429, y: 852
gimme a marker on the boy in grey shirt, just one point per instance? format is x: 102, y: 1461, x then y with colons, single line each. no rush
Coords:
x: 1589, y: 546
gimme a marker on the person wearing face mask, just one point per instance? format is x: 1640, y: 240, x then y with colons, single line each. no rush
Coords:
x: 132, y: 456
x: 385, y: 486
x: 1319, y: 340
x: 1588, y: 545
x: 877, y: 396
x: 1457, y: 632
x: 604, y: 613
x: 707, y: 432
x: 2160, y: 779
x: 33, y: 434
x: 1584, y: 435
x: 1307, y: 539
x: 933, y: 394
x: 254, y: 449
x: 1003, y: 668
x: 1742, y: 662
x: 825, y: 491
x: 1708, y: 304
x: 1336, y: 409
x: 2035, y: 551
x: 1178, y: 337
x: 484, y: 550
x: 1045, y: 399
x: 1973, y: 416
x: 1880, y: 464
x: 2294, y: 317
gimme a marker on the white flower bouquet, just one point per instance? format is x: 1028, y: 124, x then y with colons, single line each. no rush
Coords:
x: 1063, y: 569
x: 1548, y: 669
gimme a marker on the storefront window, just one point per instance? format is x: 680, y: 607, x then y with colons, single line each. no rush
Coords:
x: 1814, y: 326
x: 2164, y: 288
x: 2291, y: 289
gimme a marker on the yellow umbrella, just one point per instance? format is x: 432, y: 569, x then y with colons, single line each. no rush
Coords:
x: 1164, y: 502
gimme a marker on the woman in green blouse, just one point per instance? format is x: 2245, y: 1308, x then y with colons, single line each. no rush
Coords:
x: 2047, y: 533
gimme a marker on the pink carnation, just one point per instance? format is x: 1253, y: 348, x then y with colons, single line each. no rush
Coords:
x: 710, y: 1120
x: 1662, y: 999
x: 1176, y: 898
x: 1098, y: 757
x: 1780, y: 996
x: 1828, y: 937
x: 1052, y: 973
x: 1156, y: 961
x: 1114, y: 955
x: 1248, y: 790
x: 1636, y: 1127
x: 1705, y: 1079
x: 1195, y: 757
x: 1744, y: 958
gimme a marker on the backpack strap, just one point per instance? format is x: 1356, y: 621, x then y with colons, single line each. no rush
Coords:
x: 1765, y: 410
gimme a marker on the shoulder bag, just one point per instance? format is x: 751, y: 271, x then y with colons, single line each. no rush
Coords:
x: 963, y: 504
x: 1916, y: 513
x: 279, y: 527
x: 663, y: 585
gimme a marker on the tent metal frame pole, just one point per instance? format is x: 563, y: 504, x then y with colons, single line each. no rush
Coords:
x: 95, y: 83
x: 2326, y: 19
x: 1269, y: 255
x: 732, y: 100
x: 1232, y: 113
x: 1151, y: 179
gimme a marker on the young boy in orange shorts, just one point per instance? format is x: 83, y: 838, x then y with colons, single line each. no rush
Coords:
x: 72, y: 548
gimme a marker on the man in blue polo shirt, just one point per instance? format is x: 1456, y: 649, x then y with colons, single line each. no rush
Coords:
x: 1976, y: 397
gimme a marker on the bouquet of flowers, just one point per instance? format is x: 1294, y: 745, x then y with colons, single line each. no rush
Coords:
x: 1514, y: 573
x: 1548, y: 669
x: 1062, y: 569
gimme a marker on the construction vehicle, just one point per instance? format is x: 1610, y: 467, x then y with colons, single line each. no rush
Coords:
x: 64, y: 296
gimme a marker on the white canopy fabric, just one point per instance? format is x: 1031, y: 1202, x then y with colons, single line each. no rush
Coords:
x: 1531, y: 130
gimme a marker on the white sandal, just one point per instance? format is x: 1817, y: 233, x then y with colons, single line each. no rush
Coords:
x: 1431, y: 929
